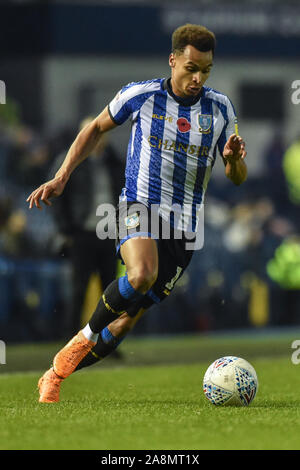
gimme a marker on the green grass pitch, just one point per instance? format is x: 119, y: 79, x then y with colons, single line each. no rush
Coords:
x: 150, y: 406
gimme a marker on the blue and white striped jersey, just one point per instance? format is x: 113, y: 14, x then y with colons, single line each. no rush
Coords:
x: 173, y: 145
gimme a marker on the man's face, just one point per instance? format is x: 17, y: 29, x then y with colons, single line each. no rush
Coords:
x: 189, y: 71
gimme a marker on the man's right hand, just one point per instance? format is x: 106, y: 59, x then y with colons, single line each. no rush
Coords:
x: 52, y: 188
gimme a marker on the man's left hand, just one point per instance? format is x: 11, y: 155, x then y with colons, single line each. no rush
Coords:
x: 234, y: 149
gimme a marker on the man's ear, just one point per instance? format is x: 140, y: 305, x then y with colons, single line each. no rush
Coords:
x: 171, y: 60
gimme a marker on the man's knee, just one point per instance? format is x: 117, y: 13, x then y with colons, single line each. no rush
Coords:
x: 142, y: 277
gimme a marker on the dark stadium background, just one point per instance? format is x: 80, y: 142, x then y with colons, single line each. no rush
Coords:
x: 62, y: 61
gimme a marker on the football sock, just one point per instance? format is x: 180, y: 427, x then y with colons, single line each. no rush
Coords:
x: 144, y: 303
x: 106, y: 344
x: 115, y: 299
x: 89, y: 334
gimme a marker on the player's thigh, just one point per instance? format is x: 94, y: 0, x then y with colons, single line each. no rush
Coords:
x: 140, y: 255
x: 137, y: 247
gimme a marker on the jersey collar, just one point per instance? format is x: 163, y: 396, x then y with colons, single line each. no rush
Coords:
x: 182, y: 101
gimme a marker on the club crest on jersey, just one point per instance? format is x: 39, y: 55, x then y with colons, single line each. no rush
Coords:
x: 183, y: 124
x: 205, y: 122
x: 132, y: 221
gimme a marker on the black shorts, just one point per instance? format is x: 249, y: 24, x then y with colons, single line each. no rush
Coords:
x: 173, y: 257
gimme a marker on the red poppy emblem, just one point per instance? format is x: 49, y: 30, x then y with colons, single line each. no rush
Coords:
x: 183, y: 125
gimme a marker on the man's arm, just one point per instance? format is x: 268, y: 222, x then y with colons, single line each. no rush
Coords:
x: 233, y: 156
x: 81, y: 148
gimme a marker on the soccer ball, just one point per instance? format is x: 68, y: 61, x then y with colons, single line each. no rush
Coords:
x: 230, y: 380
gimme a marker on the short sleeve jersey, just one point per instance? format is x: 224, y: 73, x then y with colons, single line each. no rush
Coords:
x: 173, y: 145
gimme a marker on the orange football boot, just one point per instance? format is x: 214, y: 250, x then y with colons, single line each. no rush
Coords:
x: 49, y: 387
x: 68, y: 358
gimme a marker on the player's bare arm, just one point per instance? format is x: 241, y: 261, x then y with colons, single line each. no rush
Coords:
x: 233, y: 156
x: 84, y: 144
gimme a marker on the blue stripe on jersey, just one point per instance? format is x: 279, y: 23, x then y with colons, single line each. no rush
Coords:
x: 157, y: 129
x: 131, y: 106
x: 222, y: 140
x: 206, y: 108
x: 180, y: 161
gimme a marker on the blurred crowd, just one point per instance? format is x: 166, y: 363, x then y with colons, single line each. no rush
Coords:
x: 47, y: 257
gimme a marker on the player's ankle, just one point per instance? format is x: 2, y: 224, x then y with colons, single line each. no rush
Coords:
x: 89, y: 334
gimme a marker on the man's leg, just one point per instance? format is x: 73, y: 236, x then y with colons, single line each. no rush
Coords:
x: 169, y: 272
x: 110, y: 338
x: 141, y: 259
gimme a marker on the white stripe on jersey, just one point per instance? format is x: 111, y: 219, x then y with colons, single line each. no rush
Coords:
x: 167, y: 164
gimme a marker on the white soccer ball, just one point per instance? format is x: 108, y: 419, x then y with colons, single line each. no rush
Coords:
x: 230, y: 380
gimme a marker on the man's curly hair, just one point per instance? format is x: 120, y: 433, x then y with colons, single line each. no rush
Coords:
x: 195, y: 35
